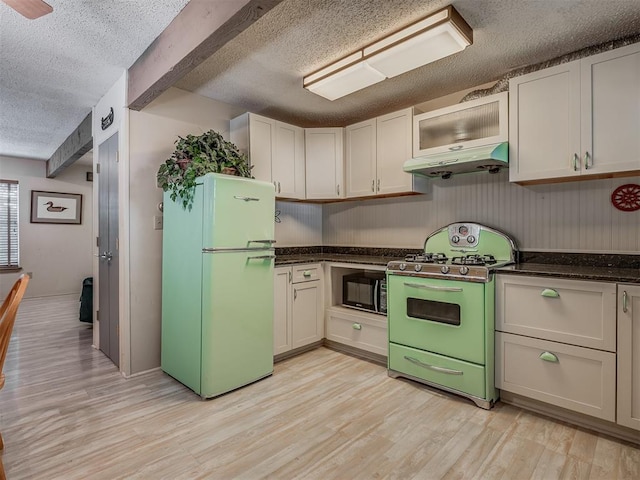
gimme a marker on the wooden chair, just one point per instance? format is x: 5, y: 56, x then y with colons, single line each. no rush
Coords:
x: 7, y: 319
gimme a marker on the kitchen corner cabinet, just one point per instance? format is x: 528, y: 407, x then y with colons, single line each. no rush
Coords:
x: 576, y: 120
x: 376, y: 150
x: 324, y: 153
x: 275, y: 150
x: 298, y: 319
x: 629, y: 356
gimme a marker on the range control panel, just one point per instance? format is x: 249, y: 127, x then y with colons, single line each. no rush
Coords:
x: 464, y: 234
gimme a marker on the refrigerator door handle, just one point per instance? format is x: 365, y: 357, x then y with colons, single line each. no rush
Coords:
x: 233, y: 249
x: 270, y: 242
x: 262, y: 257
x: 246, y: 199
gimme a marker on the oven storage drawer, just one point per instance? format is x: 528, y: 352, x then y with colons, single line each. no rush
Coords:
x: 444, y: 316
x: 367, y: 331
x: 306, y: 273
x: 576, y: 378
x: 467, y: 378
x: 569, y: 311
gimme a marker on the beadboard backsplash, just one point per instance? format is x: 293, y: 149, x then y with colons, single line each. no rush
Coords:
x: 572, y: 217
x: 298, y: 224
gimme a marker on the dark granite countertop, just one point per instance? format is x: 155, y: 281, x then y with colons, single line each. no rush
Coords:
x: 334, y: 257
x: 577, y: 266
x: 574, y: 272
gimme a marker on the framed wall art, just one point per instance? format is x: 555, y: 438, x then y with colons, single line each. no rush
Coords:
x: 54, y: 207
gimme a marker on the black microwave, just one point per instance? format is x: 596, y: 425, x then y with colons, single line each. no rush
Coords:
x: 365, y: 291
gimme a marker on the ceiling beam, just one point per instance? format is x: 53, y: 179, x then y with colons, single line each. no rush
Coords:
x: 197, y: 32
x: 76, y: 145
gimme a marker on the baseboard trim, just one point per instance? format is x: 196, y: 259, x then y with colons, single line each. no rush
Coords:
x: 356, y: 352
x: 601, y: 426
x: 296, y: 351
x: 139, y: 374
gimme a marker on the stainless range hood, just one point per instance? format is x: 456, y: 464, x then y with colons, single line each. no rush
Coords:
x: 488, y: 157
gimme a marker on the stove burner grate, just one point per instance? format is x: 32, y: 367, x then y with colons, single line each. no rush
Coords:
x: 427, y: 258
x: 474, y: 260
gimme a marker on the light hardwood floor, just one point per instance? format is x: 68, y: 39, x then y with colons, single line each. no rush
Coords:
x: 67, y: 413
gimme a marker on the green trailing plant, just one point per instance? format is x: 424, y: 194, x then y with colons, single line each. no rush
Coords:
x: 196, y: 155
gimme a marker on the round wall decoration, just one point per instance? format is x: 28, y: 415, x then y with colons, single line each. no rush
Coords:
x: 626, y: 197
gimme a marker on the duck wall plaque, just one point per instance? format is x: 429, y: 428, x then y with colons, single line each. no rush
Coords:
x: 55, y: 207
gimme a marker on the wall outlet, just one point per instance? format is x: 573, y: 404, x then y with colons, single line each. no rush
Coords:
x: 157, y: 222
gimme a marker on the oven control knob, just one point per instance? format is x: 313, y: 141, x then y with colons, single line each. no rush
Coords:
x: 418, y: 267
x: 471, y: 239
x: 444, y: 269
x: 455, y: 239
x: 402, y: 266
x: 464, y: 270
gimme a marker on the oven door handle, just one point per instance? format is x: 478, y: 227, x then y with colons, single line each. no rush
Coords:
x: 435, y: 368
x: 433, y: 287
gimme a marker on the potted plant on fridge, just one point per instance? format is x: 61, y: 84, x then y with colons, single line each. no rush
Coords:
x: 196, y: 155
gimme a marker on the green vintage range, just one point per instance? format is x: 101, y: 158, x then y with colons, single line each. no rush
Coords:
x: 440, y: 308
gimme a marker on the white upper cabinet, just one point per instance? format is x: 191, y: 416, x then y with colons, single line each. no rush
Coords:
x: 288, y: 166
x: 361, y: 159
x: 577, y: 119
x: 376, y: 150
x: 275, y: 150
x: 324, y: 152
x: 475, y: 123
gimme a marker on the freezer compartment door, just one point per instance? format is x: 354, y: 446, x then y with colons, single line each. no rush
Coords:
x: 237, y: 319
x: 238, y: 212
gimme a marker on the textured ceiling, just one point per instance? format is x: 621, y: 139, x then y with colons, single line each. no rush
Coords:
x: 262, y: 69
x: 53, y: 70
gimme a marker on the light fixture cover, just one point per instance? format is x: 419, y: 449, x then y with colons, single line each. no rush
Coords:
x: 431, y: 38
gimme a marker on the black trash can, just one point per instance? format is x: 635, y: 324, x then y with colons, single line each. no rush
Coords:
x: 86, y: 301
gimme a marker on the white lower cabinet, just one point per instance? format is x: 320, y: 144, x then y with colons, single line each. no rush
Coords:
x: 358, y: 329
x: 556, y: 342
x: 298, y: 319
x: 629, y: 355
x: 577, y: 378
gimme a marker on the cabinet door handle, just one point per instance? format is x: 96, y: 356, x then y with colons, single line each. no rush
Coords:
x: 457, y: 147
x: 548, y: 357
x: 576, y: 159
x: 378, y: 184
x: 586, y: 161
x: 373, y: 185
x: 279, y: 189
x: 550, y: 293
x: 435, y: 368
x: 289, y: 276
x: 295, y: 293
x: 338, y: 189
x: 357, y: 326
x: 625, y: 299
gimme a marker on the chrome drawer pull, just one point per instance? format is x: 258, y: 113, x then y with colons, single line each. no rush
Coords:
x: 575, y: 162
x: 550, y: 293
x: 306, y: 273
x: 357, y: 326
x: 432, y: 287
x: 448, y: 371
x: 548, y: 357
x: 625, y: 307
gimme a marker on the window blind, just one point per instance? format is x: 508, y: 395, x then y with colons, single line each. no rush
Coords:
x: 9, y: 246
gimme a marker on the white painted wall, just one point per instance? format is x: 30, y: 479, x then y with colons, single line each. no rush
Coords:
x: 568, y: 217
x: 152, y: 134
x: 59, y: 256
x: 300, y: 224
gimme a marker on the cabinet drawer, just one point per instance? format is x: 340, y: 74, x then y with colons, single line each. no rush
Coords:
x: 360, y: 331
x: 569, y: 311
x: 306, y: 273
x: 431, y: 367
x: 576, y: 378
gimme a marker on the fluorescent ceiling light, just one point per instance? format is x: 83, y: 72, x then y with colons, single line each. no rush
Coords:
x: 437, y: 36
